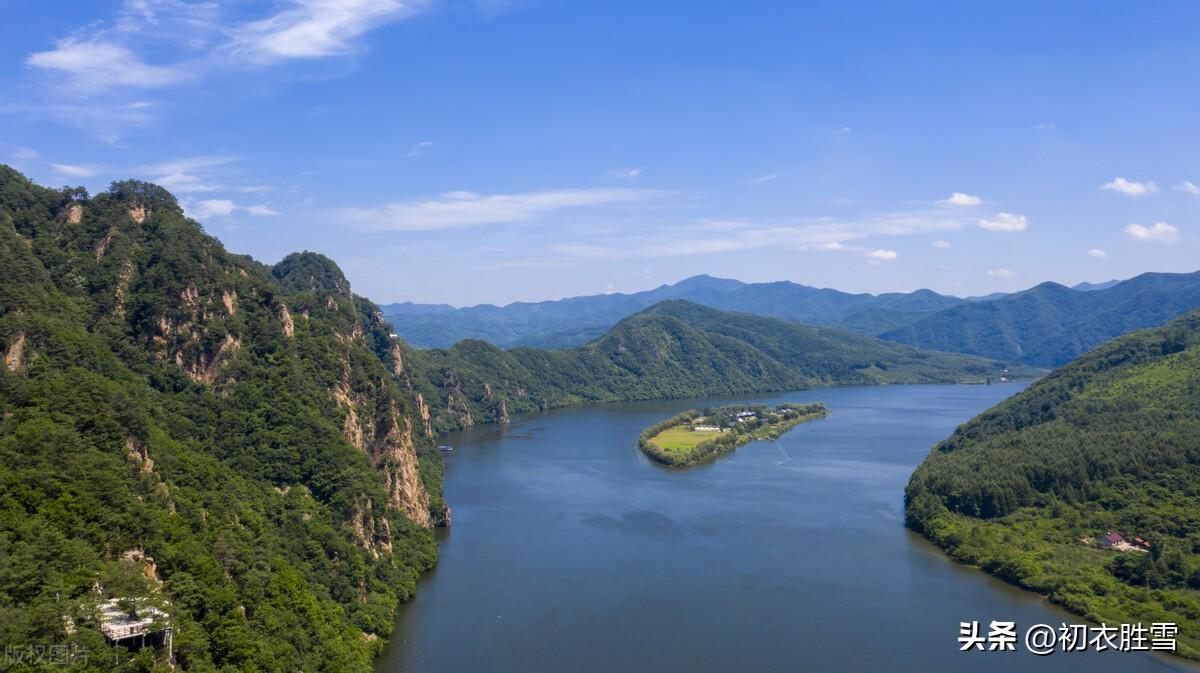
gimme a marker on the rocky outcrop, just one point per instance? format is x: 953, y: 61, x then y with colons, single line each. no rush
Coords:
x: 74, y: 213
x: 14, y: 355
x: 289, y: 326
x: 138, y: 212
x: 230, y: 299
x: 423, y: 411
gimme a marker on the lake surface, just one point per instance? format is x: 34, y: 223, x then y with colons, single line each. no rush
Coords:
x: 572, y: 553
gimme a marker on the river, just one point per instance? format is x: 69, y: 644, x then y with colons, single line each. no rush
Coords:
x: 572, y: 553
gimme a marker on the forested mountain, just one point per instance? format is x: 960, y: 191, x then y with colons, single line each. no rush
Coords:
x: 1049, y: 325
x: 674, y: 349
x: 577, y: 320
x: 247, y: 446
x: 185, y: 425
x: 1108, y: 443
x: 1044, y: 326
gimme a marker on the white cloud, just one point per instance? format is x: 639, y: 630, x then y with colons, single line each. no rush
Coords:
x: 763, y: 179
x: 1189, y: 187
x: 25, y: 154
x: 961, y: 199
x: 419, y: 148
x: 98, y: 65
x: 1001, y: 273
x: 74, y: 171
x: 941, y: 244
x: 211, y: 208
x: 1160, y: 231
x: 261, y: 210
x: 315, y: 28
x: 254, y: 189
x: 465, y: 209
x: 879, y: 256
x: 1129, y: 187
x: 1005, y: 222
x: 1097, y: 253
x: 188, y: 174
x: 624, y: 173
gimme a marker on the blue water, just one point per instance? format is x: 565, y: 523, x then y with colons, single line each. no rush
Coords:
x: 571, y: 553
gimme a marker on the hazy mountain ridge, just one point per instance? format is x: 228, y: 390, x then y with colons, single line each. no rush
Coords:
x: 674, y: 349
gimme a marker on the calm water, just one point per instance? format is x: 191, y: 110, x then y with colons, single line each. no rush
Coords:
x: 570, y: 552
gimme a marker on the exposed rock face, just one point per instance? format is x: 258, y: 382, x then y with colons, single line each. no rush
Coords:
x: 387, y: 439
x: 397, y: 360
x: 122, y: 289
x: 74, y: 213
x: 230, y: 298
x: 102, y: 246
x: 138, y: 213
x: 502, y: 415
x: 289, y: 326
x: 139, y: 454
x: 206, y: 367
x: 14, y: 355
x: 423, y: 410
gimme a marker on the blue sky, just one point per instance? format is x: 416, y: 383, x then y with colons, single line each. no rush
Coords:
x: 469, y: 151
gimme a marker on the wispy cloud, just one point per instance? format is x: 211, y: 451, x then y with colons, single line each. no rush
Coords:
x: 25, y: 154
x: 941, y: 244
x: 624, y: 173
x: 188, y: 174
x: 314, y: 28
x: 763, y: 179
x: 262, y: 210
x: 207, y: 208
x: 1097, y: 253
x: 464, y: 209
x: 1159, y: 231
x: 1129, y: 187
x: 1004, y: 222
x: 1189, y: 187
x: 96, y: 65
x: 1001, y: 273
x: 961, y: 199
x: 74, y: 171
x: 419, y: 148
x: 825, y: 234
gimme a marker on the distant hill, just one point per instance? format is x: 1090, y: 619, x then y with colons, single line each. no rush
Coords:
x: 574, y: 321
x: 1044, y: 326
x: 674, y: 349
x: 1108, y: 443
x: 1051, y: 324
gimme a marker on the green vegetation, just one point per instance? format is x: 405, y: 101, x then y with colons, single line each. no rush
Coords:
x: 238, y: 424
x: 1049, y: 325
x: 672, y: 350
x: 691, y: 437
x: 1110, y: 442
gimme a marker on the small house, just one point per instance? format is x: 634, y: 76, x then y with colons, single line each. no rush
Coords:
x: 1111, y: 539
x: 1141, y: 542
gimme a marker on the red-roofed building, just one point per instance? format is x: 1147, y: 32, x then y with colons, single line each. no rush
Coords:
x: 1111, y: 539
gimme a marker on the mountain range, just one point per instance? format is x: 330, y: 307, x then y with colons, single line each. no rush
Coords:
x: 1044, y: 326
x: 249, y: 448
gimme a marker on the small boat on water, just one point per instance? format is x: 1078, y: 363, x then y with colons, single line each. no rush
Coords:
x: 445, y: 447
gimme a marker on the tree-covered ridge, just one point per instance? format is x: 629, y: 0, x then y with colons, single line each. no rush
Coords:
x: 238, y: 424
x: 1049, y: 325
x: 1108, y: 443
x: 672, y: 350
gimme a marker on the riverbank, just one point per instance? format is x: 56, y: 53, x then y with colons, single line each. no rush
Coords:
x: 690, y: 438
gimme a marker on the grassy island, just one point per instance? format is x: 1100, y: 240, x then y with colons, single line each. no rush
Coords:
x: 693, y: 437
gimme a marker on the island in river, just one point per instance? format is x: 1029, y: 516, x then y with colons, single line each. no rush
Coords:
x: 691, y: 437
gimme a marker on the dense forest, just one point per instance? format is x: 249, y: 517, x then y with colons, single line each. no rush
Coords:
x: 188, y: 427
x: 1107, y: 444
x: 1050, y: 324
x: 674, y: 349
